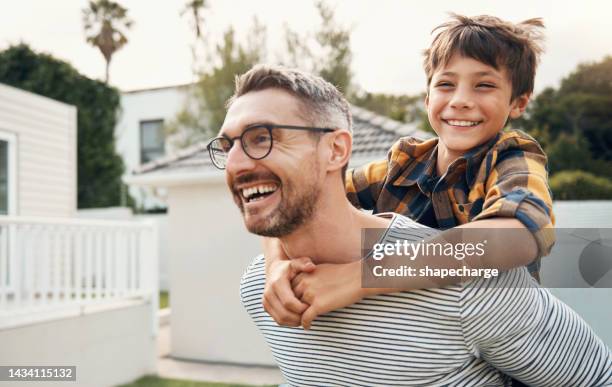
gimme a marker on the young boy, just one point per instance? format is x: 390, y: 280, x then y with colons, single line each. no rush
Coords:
x: 480, y: 73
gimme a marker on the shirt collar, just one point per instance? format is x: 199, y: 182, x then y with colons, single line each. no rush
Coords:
x: 424, y: 156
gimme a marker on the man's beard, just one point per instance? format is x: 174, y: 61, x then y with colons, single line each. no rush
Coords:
x: 294, y: 210
x: 297, y: 206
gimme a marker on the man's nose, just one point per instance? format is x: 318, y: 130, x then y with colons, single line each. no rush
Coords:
x: 238, y: 160
x: 462, y: 98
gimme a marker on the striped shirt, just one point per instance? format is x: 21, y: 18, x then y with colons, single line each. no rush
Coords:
x: 471, y: 334
x: 505, y: 177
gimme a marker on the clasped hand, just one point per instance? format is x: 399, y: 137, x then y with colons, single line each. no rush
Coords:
x: 297, y: 290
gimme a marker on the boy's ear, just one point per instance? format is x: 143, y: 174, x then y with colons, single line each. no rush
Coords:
x: 518, y: 106
x: 341, y: 145
x: 426, y: 100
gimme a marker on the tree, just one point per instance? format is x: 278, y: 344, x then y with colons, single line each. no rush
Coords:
x: 580, y: 108
x: 195, y: 10
x: 204, y: 112
x: 106, y: 23
x: 326, y: 53
x: 99, y: 167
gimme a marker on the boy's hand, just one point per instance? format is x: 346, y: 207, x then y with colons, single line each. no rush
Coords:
x: 328, y: 287
x: 278, y: 298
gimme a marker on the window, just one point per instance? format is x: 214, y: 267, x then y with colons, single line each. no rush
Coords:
x: 8, y: 174
x: 4, y: 173
x: 151, y: 140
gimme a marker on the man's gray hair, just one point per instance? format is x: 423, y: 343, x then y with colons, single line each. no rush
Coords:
x: 322, y: 104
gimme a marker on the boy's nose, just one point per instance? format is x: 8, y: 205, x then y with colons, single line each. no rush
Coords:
x: 461, y: 99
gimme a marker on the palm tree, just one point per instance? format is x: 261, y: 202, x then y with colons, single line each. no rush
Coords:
x: 196, y: 8
x: 105, y: 25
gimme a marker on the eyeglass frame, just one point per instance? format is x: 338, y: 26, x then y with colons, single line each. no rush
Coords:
x: 269, y: 127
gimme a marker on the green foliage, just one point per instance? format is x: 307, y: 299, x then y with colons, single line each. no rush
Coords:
x: 105, y: 23
x: 99, y: 167
x: 569, y: 152
x: 164, y: 299
x: 336, y: 58
x: 328, y: 53
x: 580, y: 185
x: 403, y: 108
x: 574, y: 125
x: 575, y: 120
x: 205, y: 110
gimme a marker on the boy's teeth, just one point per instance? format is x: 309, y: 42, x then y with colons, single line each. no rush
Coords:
x: 462, y: 123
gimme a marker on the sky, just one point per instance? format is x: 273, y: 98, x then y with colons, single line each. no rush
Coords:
x: 388, y: 36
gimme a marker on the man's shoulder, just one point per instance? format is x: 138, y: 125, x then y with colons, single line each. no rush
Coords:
x: 252, y: 283
x: 255, y: 274
x: 255, y: 269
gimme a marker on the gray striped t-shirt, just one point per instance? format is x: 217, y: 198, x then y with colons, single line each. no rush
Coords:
x: 471, y: 334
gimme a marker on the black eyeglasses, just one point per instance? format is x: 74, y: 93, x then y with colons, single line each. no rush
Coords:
x: 256, y: 142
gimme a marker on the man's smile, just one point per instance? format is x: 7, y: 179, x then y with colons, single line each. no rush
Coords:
x: 258, y: 192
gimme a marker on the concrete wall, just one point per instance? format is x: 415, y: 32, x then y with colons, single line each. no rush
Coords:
x: 210, y: 249
x: 108, y: 347
x: 46, y: 133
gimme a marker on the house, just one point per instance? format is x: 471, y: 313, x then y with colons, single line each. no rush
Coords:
x: 140, y: 137
x: 73, y: 292
x: 210, y: 248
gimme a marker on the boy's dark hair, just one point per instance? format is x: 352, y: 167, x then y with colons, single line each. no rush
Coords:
x: 492, y: 41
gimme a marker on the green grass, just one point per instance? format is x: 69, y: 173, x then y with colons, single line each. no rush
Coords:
x: 164, y: 300
x: 154, y: 381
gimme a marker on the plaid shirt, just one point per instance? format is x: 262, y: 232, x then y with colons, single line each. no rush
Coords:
x: 505, y: 177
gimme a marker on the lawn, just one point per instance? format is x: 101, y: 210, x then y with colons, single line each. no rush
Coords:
x: 154, y: 381
x: 164, y: 301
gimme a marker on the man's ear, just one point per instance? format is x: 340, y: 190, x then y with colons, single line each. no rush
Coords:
x: 518, y: 106
x: 341, y: 145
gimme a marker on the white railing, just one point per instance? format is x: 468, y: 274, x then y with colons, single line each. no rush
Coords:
x: 54, y: 266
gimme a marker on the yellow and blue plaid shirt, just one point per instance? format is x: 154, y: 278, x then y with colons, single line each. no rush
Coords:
x: 504, y: 177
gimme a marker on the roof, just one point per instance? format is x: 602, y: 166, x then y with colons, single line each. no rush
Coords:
x: 157, y: 88
x: 373, y: 135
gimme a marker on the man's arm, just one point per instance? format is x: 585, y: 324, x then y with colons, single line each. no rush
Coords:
x: 527, y: 333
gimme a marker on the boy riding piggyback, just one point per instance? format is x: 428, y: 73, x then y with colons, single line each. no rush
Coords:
x: 474, y: 175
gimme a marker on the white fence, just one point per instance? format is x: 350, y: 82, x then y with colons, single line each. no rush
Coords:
x: 53, y: 267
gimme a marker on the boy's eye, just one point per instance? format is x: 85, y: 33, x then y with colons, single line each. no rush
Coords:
x: 486, y: 85
x: 444, y: 84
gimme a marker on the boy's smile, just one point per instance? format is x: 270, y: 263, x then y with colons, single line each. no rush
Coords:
x: 468, y: 103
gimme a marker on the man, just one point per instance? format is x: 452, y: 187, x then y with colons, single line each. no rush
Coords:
x: 285, y: 145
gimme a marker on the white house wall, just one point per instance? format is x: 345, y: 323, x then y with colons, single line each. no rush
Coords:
x: 45, y: 132
x: 144, y: 105
x: 210, y: 249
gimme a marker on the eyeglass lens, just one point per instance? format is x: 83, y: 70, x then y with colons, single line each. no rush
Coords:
x: 256, y: 143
